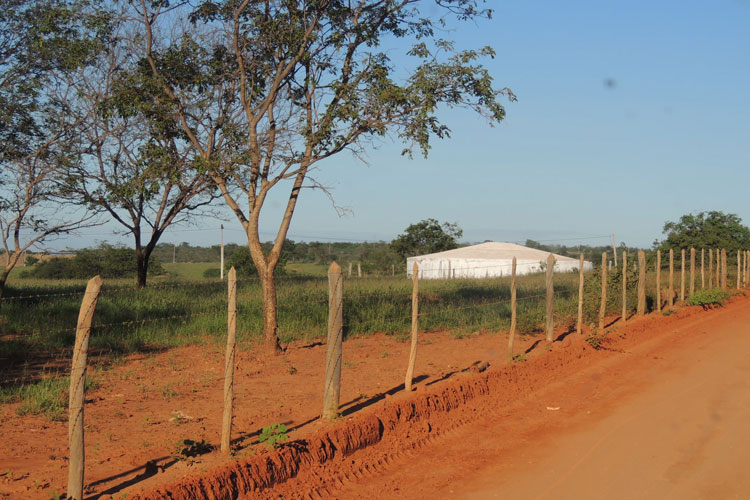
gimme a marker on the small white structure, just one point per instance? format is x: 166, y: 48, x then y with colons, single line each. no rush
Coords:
x: 488, y: 260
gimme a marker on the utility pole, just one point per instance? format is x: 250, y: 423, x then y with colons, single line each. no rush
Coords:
x: 222, y: 252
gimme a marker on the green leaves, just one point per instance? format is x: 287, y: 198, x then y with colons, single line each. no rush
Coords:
x: 425, y: 237
x: 712, y: 229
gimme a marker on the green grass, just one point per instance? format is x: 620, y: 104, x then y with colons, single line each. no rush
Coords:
x: 188, y: 270
x: 48, y: 396
x: 37, y: 322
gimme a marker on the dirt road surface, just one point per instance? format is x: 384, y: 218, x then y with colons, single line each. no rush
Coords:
x: 665, y: 418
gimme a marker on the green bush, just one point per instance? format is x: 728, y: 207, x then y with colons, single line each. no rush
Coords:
x: 708, y: 297
x: 245, y: 267
x: 107, y: 261
x: 592, y: 291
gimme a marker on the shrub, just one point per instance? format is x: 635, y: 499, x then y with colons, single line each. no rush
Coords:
x: 244, y: 265
x: 708, y: 298
x: 107, y: 261
x: 592, y: 291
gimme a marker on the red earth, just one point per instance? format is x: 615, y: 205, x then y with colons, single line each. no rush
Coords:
x: 458, y: 424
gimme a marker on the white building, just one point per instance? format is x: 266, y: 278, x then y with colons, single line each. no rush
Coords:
x: 488, y: 260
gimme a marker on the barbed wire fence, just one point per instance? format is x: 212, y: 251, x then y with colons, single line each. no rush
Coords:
x: 441, y: 304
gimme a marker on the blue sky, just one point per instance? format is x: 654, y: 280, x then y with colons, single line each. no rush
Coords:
x: 575, y: 158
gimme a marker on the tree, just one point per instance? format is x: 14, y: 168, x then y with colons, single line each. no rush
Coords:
x: 706, y: 230
x: 138, y: 167
x: 427, y: 236
x: 265, y: 91
x: 39, y: 43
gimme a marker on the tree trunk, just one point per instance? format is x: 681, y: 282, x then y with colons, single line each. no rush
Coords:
x: 270, y: 321
x: 12, y: 261
x: 3, y: 279
x: 142, y: 264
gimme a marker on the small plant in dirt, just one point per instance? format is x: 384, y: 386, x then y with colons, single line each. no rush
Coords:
x: 708, y: 298
x: 519, y: 358
x: 594, y: 341
x: 188, y: 448
x: 167, y: 392
x: 273, y: 435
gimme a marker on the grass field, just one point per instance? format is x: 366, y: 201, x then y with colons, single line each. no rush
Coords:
x: 37, y: 319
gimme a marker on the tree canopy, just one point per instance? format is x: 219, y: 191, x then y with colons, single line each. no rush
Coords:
x: 427, y: 236
x: 266, y: 91
x: 712, y: 229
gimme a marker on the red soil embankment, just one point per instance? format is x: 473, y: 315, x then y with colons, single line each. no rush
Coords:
x: 348, y: 450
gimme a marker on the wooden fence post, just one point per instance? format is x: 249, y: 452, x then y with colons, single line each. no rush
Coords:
x: 350, y: 269
x: 682, y: 275
x: 414, y: 325
x: 603, y: 305
x: 703, y: 269
x: 550, y: 298
x: 359, y: 270
x: 332, y: 391
x: 710, y: 268
x: 513, y: 318
x: 77, y: 463
x: 718, y: 268
x: 692, y: 271
x: 739, y: 265
x: 658, y: 280
x: 579, y: 322
x: 624, y: 286
x: 641, y: 283
x: 670, y: 298
x: 226, y: 425
x: 724, y: 268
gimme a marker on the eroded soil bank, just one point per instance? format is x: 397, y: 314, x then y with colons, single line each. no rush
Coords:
x: 336, y: 461
x: 144, y: 406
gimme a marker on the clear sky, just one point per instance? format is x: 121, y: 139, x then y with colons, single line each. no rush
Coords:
x: 629, y: 114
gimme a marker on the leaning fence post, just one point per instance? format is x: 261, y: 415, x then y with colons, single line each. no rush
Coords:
x: 513, y: 318
x: 682, y: 275
x: 624, y: 286
x: 641, y: 283
x: 77, y: 460
x: 414, y: 326
x: 579, y: 323
x: 226, y: 425
x: 658, y: 280
x: 692, y: 271
x: 332, y: 390
x: 603, y: 305
x: 550, y: 298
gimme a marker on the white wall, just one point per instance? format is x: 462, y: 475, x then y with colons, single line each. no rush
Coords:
x: 447, y: 268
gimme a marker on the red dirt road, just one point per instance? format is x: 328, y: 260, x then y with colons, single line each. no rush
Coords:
x: 660, y: 416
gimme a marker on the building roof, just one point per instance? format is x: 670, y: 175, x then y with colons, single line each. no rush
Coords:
x: 495, y: 250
